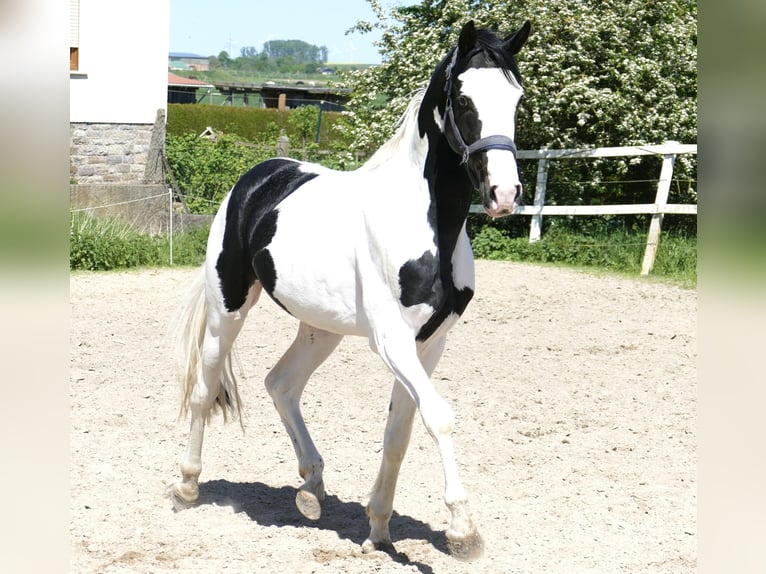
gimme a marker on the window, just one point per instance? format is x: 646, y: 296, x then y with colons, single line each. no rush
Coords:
x: 74, y: 35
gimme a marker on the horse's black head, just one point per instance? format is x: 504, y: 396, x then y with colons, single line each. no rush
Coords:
x: 482, y: 86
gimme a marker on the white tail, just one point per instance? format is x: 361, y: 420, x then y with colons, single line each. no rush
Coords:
x: 190, y: 326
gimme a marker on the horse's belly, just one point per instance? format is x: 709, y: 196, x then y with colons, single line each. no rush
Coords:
x: 316, y: 279
x: 326, y: 302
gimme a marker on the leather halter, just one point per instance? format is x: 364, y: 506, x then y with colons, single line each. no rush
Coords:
x: 483, y: 144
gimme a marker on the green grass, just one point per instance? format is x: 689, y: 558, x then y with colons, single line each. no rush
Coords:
x: 102, y: 244
x: 619, y: 252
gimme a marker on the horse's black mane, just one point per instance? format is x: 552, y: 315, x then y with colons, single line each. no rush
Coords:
x: 493, y: 48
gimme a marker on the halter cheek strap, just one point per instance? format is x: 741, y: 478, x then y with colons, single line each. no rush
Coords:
x: 496, y: 141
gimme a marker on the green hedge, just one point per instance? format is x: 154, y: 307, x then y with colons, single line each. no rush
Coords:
x: 251, y: 124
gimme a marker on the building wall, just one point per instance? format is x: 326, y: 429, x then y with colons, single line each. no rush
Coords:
x: 199, y: 64
x: 123, y: 53
x: 121, y: 84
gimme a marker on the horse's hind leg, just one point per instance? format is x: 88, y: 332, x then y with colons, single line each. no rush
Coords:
x: 401, y: 414
x: 212, y: 369
x: 285, y: 384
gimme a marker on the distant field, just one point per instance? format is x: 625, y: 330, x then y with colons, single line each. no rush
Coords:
x: 245, y: 76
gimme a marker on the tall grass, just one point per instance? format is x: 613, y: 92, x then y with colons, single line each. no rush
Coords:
x: 101, y: 244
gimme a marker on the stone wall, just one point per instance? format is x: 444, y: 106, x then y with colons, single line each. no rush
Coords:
x: 108, y: 153
x: 104, y: 153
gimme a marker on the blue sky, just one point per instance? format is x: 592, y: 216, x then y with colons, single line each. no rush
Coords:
x: 208, y: 27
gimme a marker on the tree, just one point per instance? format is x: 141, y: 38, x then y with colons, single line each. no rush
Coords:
x: 298, y: 50
x: 220, y: 61
x: 248, y: 52
x: 595, y: 72
x: 304, y: 120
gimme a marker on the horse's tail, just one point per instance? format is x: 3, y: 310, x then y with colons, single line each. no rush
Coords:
x: 189, y: 335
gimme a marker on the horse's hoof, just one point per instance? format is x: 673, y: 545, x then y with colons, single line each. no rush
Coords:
x: 384, y: 546
x: 308, y: 504
x: 183, y: 496
x: 466, y: 548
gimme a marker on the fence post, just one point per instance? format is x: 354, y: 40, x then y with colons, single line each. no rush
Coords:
x: 170, y: 222
x: 660, y: 201
x: 536, y: 224
x: 283, y: 146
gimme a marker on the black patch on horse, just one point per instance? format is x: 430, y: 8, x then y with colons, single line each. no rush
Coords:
x: 267, y: 274
x: 419, y: 281
x: 455, y: 302
x: 251, y: 222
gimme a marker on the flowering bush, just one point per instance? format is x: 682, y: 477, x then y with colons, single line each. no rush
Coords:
x: 596, y: 73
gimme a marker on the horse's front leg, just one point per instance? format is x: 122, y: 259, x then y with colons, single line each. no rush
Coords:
x: 285, y: 384
x: 401, y: 414
x: 399, y: 353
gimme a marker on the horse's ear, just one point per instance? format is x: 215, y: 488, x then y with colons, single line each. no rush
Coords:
x: 467, y: 40
x: 515, y: 41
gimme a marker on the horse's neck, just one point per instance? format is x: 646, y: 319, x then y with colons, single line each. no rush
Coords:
x: 407, y: 148
x: 419, y: 145
x: 448, y: 183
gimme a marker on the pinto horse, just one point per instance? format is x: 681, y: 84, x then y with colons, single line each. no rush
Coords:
x: 380, y: 252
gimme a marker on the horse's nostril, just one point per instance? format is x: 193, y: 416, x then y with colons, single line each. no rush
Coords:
x: 519, y: 190
x: 492, y: 193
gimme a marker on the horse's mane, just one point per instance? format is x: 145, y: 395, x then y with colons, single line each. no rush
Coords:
x: 494, y: 51
x: 406, y: 133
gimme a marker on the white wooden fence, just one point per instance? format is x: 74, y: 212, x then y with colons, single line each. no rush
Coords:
x: 668, y: 151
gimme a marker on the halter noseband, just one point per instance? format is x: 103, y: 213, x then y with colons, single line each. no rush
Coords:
x: 482, y: 144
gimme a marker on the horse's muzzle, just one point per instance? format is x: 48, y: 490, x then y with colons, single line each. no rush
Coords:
x: 502, y: 201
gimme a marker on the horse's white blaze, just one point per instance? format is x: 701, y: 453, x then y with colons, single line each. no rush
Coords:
x: 493, y: 96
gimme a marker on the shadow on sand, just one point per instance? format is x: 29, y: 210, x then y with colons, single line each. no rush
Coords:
x: 275, y: 506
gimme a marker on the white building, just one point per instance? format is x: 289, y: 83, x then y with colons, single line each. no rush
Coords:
x: 117, y: 88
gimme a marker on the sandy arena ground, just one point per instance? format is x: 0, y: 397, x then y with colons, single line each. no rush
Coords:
x: 575, y: 398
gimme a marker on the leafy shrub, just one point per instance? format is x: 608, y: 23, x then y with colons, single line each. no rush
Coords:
x: 206, y: 170
x: 595, y: 74
x: 189, y: 247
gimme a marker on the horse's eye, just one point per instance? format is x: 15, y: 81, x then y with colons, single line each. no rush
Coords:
x: 462, y: 100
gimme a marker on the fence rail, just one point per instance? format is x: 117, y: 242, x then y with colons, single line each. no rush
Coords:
x: 658, y: 209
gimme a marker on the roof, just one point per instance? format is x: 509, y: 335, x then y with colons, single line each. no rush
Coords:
x: 178, y: 65
x: 174, y: 80
x: 178, y: 55
x: 273, y: 87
